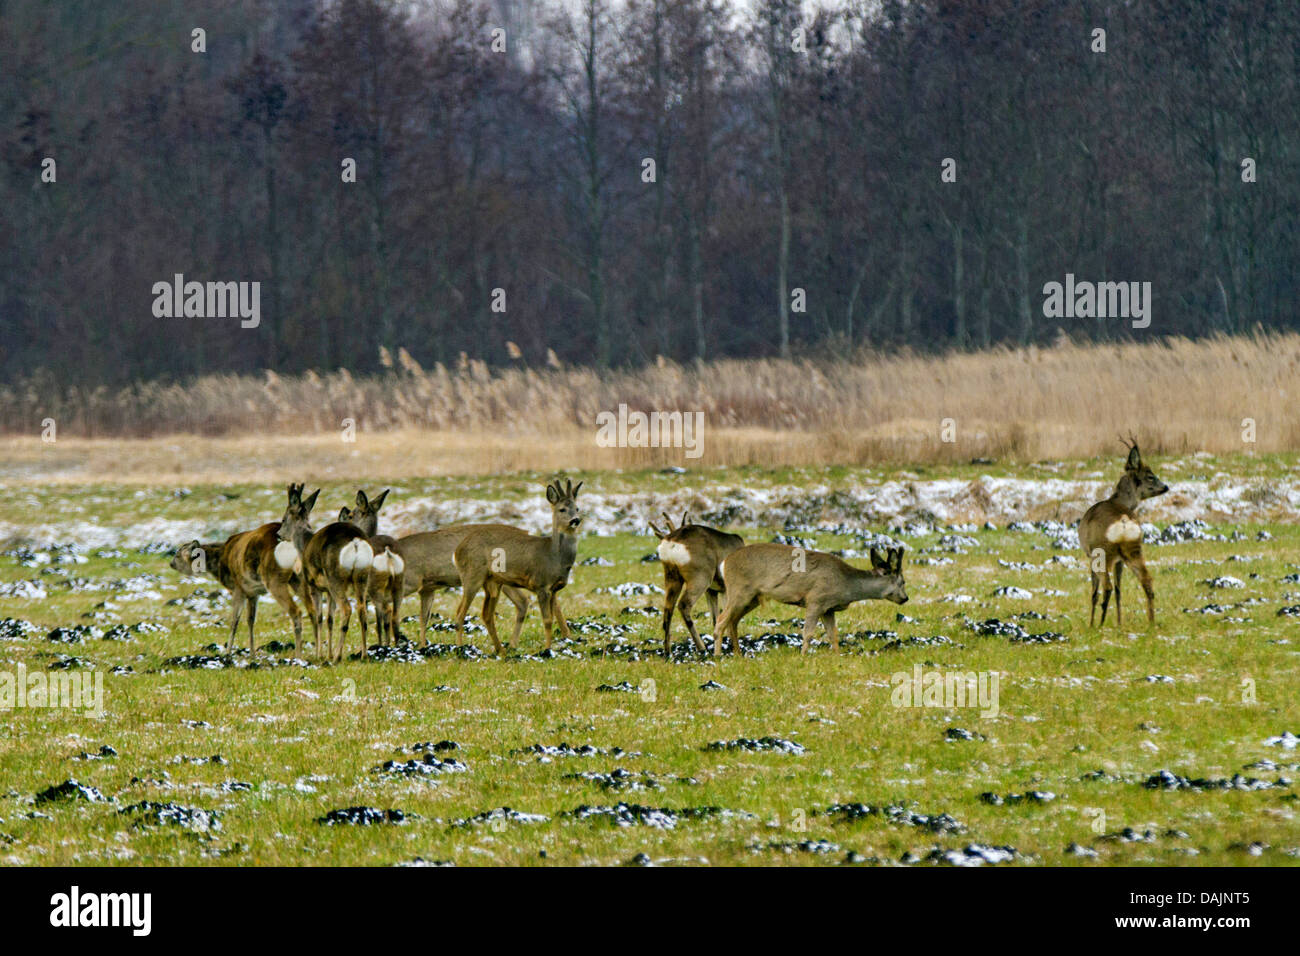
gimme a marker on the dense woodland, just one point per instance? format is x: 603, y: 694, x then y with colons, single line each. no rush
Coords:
x: 794, y: 148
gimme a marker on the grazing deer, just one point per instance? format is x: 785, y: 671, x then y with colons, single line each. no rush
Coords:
x: 430, y: 566
x: 1111, y: 535
x: 246, y: 566
x: 335, y: 561
x: 820, y: 583
x: 690, y: 554
x: 495, y: 555
x: 387, y: 569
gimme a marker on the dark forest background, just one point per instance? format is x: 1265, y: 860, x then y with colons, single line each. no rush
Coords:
x: 776, y: 170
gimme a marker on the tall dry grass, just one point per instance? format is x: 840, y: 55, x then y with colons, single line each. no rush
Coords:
x: 1068, y: 400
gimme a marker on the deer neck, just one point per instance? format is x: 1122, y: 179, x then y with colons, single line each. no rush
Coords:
x: 564, y: 546
x: 1125, y: 496
x: 301, y: 536
x: 867, y: 584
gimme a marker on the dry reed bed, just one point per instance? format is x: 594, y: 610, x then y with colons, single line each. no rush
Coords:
x: 1067, y: 400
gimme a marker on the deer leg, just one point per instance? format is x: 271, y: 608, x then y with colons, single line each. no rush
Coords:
x: 426, y: 605
x: 713, y: 605
x: 395, y: 605
x: 468, y: 591
x: 360, y: 586
x: 560, y: 622
x: 738, y: 605
x: 1144, y: 578
x: 329, y: 625
x: 519, y: 599
x: 490, y: 591
x: 1119, y: 573
x: 1092, y: 616
x: 546, y: 602
x: 1105, y: 591
x: 809, y: 628
x: 828, y: 622
x: 672, y: 591
x: 279, y: 590
x: 685, y: 607
x: 252, y: 619
x: 236, y: 612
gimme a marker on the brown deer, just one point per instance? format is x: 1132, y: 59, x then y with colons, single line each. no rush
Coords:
x: 246, y: 565
x: 430, y: 566
x: 690, y: 554
x: 387, y: 569
x: 818, y: 582
x: 495, y: 555
x: 335, y: 561
x: 1111, y: 535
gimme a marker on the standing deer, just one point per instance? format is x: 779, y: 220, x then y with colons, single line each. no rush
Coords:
x: 820, y: 583
x: 429, y: 558
x: 1111, y: 535
x: 335, y: 561
x: 690, y: 554
x: 495, y: 555
x: 246, y: 565
x: 387, y: 569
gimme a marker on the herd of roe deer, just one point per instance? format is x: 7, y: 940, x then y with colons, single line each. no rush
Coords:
x: 348, y: 560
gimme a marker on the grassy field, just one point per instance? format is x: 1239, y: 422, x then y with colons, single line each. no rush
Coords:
x: 1085, y: 718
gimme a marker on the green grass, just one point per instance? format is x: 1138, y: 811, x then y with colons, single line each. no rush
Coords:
x: 306, y: 739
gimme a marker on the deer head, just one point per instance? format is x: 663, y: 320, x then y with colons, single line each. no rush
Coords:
x: 1144, y: 480
x: 565, y: 514
x: 295, y: 526
x: 890, y: 569
x: 366, y: 514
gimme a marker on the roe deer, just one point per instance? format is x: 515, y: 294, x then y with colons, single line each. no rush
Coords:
x: 820, y: 583
x: 1111, y: 535
x: 495, y: 555
x: 430, y: 565
x: 246, y: 566
x: 387, y: 569
x: 690, y: 554
x: 335, y: 561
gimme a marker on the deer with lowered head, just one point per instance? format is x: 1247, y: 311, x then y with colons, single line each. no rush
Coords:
x: 690, y: 554
x: 387, y: 568
x: 493, y: 556
x: 818, y: 582
x: 335, y: 562
x: 1111, y: 535
x: 246, y: 565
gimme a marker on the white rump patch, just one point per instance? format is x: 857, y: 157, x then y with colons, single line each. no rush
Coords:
x: 356, y: 555
x: 388, y: 563
x: 1125, y: 530
x: 674, y: 552
x: 722, y: 570
x: 286, y: 556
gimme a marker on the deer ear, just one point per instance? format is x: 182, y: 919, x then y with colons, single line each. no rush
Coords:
x: 573, y: 493
x: 310, y: 502
x: 551, y: 495
x: 362, y: 501
x: 1134, y: 459
x: 379, y: 502
x: 295, y: 493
